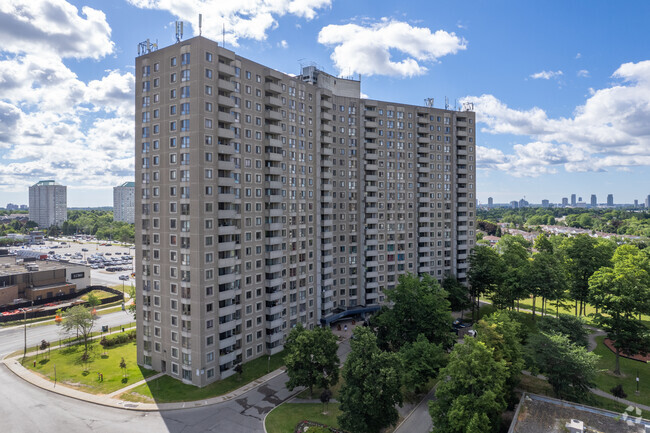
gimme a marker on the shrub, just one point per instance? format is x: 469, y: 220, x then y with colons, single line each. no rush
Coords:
x: 618, y: 391
x: 118, y: 339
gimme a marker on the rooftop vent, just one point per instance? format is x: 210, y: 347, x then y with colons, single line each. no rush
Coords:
x: 575, y: 426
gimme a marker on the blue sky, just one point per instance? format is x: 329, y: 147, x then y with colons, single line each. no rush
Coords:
x: 561, y: 88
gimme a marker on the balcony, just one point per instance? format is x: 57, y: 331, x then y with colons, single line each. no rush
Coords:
x: 273, y: 115
x: 226, y: 85
x: 272, y: 129
x: 272, y: 101
x: 226, y: 70
x: 225, y: 101
x: 272, y: 88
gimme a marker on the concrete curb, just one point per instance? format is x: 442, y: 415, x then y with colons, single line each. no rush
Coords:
x: 14, y: 365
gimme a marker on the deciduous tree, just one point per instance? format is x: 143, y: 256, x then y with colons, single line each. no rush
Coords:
x: 372, y: 386
x: 569, y: 368
x: 472, y: 396
x: 620, y: 294
x: 422, y: 360
x: 81, y: 320
x: 311, y: 358
x: 485, y: 272
x: 419, y: 306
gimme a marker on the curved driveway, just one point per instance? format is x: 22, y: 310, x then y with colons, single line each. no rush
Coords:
x: 25, y: 408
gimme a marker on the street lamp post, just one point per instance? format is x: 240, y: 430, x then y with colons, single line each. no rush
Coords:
x: 25, y: 330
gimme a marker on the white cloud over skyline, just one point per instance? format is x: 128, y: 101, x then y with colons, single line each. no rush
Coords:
x: 367, y: 49
x: 610, y: 131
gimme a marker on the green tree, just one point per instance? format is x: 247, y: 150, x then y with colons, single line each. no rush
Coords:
x: 485, y: 272
x: 457, y: 293
x: 545, y: 275
x: 501, y: 332
x: 93, y: 300
x: 311, y: 358
x: 419, y: 306
x: 371, y: 388
x: 584, y: 256
x: 621, y: 294
x: 571, y: 326
x: 422, y: 360
x: 473, y: 395
x: 81, y: 320
x: 514, y: 255
x: 569, y: 368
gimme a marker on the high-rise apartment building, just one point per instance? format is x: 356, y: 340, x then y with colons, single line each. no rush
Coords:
x: 124, y: 202
x: 565, y: 201
x: 594, y: 200
x: 573, y: 200
x: 265, y: 200
x: 48, y: 203
x: 490, y: 202
x: 610, y: 199
x: 647, y: 202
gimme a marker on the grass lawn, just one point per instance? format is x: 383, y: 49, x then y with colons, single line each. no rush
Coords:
x: 284, y: 418
x: 166, y: 389
x: 606, y: 380
x: 99, y: 293
x: 70, y: 369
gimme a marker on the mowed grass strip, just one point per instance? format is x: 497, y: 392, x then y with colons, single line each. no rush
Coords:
x: 166, y: 389
x: 606, y: 379
x: 284, y: 418
x: 72, y: 371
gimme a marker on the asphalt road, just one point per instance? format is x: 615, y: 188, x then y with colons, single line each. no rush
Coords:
x: 12, y: 339
x: 25, y: 408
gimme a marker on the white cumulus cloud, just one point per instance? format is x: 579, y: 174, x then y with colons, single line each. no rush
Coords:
x: 609, y: 131
x: 546, y: 75
x: 53, y: 124
x: 247, y: 19
x: 54, y: 26
x: 367, y: 49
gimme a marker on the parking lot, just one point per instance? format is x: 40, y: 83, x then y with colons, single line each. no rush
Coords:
x: 108, y: 261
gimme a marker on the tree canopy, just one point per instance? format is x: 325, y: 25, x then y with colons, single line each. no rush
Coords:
x: 372, y: 386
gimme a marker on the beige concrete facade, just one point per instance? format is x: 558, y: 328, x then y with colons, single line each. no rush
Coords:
x: 265, y: 200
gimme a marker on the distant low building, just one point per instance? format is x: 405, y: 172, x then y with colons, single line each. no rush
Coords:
x: 32, y: 279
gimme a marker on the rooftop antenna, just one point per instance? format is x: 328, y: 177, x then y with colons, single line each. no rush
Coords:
x: 446, y: 103
x: 428, y: 102
x: 200, y: 23
x: 223, y: 35
x: 179, y: 31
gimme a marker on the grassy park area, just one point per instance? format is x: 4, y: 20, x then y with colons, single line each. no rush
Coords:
x: 166, y: 389
x: 285, y: 417
x: 606, y: 380
x: 72, y: 371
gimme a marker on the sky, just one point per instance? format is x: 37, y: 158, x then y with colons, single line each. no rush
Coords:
x: 561, y: 88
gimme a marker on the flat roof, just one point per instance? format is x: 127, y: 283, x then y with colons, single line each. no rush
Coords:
x: 9, y: 267
x: 541, y: 414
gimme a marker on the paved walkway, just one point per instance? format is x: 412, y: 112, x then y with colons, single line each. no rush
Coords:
x: 133, y: 385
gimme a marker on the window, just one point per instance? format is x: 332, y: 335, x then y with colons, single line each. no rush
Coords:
x: 172, y: 61
x: 185, y: 75
x: 185, y: 92
x: 208, y: 73
x: 185, y: 108
x: 185, y: 59
x: 208, y: 57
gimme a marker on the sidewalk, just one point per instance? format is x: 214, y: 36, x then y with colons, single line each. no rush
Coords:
x: 14, y: 365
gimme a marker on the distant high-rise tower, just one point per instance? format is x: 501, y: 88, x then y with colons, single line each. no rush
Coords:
x: 565, y: 201
x: 610, y: 199
x: 636, y: 203
x: 647, y: 202
x: 573, y: 199
x: 48, y: 203
x: 490, y: 202
x: 594, y: 200
x: 545, y: 203
x: 124, y: 202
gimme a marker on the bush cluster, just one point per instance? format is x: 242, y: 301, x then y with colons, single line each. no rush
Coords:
x: 122, y: 338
